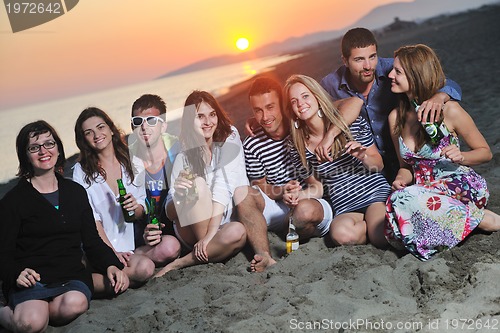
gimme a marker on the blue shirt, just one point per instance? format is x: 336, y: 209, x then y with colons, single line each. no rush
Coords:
x: 376, y: 108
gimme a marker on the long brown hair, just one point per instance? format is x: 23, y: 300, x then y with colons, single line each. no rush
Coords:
x: 88, y: 158
x: 330, y: 116
x: 425, y: 77
x: 193, y: 143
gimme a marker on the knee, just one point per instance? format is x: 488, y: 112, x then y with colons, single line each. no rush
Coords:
x: 248, y: 199
x: 74, y: 304
x: 145, y: 269
x: 235, y: 234
x: 345, y: 235
x: 31, y: 321
x: 241, y: 193
x: 304, y: 215
x: 170, y: 248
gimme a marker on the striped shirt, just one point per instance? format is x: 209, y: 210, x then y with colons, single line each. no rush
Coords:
x: 348, y: 185
x: 265, y: 157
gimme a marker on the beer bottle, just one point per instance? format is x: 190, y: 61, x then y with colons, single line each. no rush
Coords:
x: 192, y: 192
x: 292, y: 238
x: 433, y: 130
x: 128, y: 215
x: 153, y: 219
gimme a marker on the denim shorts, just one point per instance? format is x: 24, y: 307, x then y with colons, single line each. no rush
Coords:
x: 47, y: 292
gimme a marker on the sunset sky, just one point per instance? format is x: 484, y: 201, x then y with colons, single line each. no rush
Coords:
x: 103, y: 44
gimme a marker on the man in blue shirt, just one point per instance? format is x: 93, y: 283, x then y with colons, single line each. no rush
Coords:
x: 366, y: 76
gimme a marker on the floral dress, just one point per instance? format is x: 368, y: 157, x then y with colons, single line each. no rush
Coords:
x: 443, y: 206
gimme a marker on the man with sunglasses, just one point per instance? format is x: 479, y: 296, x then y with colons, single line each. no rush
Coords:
x: 153, y: 152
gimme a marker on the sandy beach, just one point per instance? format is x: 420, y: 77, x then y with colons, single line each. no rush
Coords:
x: 343, y: 289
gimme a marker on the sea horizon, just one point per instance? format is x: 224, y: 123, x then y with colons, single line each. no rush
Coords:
x: 117, y: 102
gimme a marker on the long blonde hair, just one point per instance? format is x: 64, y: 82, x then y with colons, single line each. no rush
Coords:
x: 331, y: 116
x: 425, y: 77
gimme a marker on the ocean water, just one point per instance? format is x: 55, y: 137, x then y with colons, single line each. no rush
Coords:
x: 117, y: 103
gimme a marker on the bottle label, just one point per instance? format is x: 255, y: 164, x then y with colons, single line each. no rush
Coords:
x: 431, y: 129
x: 292, y: 245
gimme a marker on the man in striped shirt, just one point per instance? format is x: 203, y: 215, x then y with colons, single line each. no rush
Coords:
x: 271, y: 173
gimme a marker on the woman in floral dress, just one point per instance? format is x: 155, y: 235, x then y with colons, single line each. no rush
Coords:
x: 439, y: 199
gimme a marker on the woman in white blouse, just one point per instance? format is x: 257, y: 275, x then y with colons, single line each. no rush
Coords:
x: 104, y: 158
x: 212, y: 151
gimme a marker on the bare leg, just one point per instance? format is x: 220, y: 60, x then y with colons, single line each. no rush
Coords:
x: 162, y: 253
x: 67, y: 307
x: 375, y: 223
x: 102, y: 286
x: 490, y: 222
x: 250, y: 208
x: 28, y: 316
x: 227, y: 242
x: 306, y: 217
x: 348, y: 229
x: 139, y: 269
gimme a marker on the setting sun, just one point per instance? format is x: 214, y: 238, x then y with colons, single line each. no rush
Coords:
x: 242, y: 44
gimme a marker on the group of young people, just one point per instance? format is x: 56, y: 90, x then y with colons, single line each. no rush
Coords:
x: 346, y: 159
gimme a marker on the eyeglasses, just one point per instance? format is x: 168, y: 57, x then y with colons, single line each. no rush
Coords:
x: 36, y: 148
x: 151, y: 121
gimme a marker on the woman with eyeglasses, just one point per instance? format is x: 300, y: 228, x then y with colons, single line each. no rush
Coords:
x: 103, y: 159
x: 46, y: 222
x: 212, y: 162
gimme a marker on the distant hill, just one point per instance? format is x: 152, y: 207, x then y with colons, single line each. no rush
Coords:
x: 417, y: 11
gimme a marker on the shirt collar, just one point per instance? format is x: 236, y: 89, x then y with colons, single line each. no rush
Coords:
x: 343, y: 71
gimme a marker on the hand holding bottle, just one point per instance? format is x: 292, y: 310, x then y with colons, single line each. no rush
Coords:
x: 185, y: 184
x: 152, y: 232
x: 291, y: 193
x: 127, y: 201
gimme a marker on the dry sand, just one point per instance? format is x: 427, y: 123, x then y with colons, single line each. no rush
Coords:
x: 345, y: 286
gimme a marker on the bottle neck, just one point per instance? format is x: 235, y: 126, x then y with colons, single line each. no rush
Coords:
x: 414, y: 104
x: 290, y: 224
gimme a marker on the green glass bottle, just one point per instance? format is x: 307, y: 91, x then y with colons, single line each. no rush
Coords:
x: 128, y: 215
x: 433, y: 130
x: 153, y: 219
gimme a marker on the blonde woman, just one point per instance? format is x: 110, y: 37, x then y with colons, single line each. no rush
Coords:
x: 352, y: 182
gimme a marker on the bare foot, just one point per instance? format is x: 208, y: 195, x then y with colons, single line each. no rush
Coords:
x: 260, y: 262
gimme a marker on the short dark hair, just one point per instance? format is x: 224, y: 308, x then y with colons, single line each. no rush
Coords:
x: 357, y: 38
x: 22, y: 141
x: 149, y: 101
x: 265, y: 84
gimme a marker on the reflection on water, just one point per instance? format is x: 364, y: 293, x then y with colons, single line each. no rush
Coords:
x: 117, y: 103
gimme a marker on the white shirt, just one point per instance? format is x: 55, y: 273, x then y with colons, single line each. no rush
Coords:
x: 108, y: 210
x: 225, y: 173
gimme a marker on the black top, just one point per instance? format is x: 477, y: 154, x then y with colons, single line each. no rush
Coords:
x: 34, y: 234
